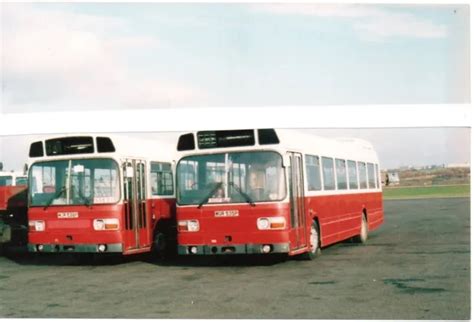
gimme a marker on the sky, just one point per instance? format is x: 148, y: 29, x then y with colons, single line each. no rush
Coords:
x: 85, y: 56
x: 111, y: 56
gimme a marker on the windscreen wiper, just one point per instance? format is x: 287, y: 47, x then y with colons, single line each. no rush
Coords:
x: 209, y: 195
x: 56, y: 195
x: 87, y: 201
x: 246, y: 196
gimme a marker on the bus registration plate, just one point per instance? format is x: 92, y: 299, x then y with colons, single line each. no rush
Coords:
x: 226, y: 213
x: 63, y: 215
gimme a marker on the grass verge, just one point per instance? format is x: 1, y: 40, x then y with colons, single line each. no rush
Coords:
x: 427, y: 192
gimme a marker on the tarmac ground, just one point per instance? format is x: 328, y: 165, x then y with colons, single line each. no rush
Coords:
x: 416, y: 266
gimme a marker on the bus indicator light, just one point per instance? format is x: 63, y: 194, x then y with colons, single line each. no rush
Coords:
x: 106, y: 224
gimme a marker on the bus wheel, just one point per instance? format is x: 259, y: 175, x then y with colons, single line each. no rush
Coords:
x: 159, y: 244
x: 364, y: 231
x: 315, y: 247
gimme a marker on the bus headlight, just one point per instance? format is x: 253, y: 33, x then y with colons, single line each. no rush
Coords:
x: 188, y: 225
x: 269, y: 223
x: 263, y: 223
x: 106, y: 224
x: 36, y: 225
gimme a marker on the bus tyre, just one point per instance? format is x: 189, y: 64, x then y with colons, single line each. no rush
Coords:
x: 159, y: 244
x: 364, y: 231
x: 315, y: 247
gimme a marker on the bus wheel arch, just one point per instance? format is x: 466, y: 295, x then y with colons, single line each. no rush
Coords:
x: 318, y: 227
x: 315, y: 241
x: 160, y: 238
x: 364, y: 228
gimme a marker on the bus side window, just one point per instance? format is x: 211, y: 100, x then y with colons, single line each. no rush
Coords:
x: 370, y: 171
x: 362, y: 175
x: 312, y: 172
x: 377, y: 179
x: 341, y: 174
x: 161, y: 179
x: 328, y: 174
x: 352, y: 169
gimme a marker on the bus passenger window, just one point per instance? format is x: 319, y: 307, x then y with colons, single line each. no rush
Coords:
x: 352, y: 169
x: 328, y: 174
x: 161, y: 179
x: 377, y: 180
x: 341, y: 174
x: 312, y: 172
x: 370, y: 170
x: 362, y: 175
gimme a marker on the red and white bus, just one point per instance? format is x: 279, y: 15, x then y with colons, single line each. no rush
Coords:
x: 13, y: 178
x: 100, y: 194
x: 13, y: 219
x: 274, y: 191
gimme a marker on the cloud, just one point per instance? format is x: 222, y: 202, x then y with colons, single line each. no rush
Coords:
x: 369, y: 22
x: 55, y: 59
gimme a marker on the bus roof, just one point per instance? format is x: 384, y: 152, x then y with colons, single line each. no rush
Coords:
x: 297, y: 141
x: 116, y: 146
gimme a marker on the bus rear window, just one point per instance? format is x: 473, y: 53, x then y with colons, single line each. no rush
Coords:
x: 69, y: 145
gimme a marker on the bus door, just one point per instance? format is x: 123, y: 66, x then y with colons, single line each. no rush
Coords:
x: 135, y: 211
x: 298, y: 223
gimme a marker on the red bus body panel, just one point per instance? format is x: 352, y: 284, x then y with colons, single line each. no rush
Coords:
x: 6, y: 194
x: 339, y: 217
x: 73, y: 231
x: 241, y: 229
x: 80, y: 231
x: 13, y: 215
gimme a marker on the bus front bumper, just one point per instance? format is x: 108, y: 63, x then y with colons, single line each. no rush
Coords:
x: 75, y: 248
x: 233, y: 249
